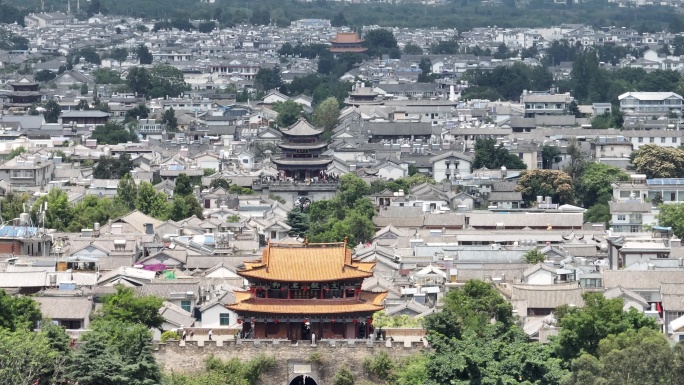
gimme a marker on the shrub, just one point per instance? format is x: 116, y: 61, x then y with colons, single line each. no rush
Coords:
x: 170, y: 335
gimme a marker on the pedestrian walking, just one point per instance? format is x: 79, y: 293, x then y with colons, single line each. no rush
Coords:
x: 185, y: 335
x: 192, y: 334
x: 210, y: 334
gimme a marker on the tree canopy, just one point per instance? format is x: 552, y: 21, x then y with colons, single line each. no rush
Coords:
x: 288, y: 111
x: 672, y: 215
x: 160, y: 81
x: 348, y: 215
x: 584, y: 327
x: 125, y: 306
x: 380, y: 41
x: 491, y: 156
x: 659, y: 162
x: 112, y: 168
x: 327, y: 113
x: 595, y: 183
x: 114, y: 133
x: 553, y: 183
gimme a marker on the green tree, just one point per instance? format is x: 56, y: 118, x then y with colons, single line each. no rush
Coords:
x: 18, y: 313
x: 632, y: 357
x: 672, y: 215
x: 489, y: 155
x: 52, y: 111
x: 299, y: 221
x: 534, y: 256
x: 115, y: 353
x: 152, y: 202
x: 126, y: 307
x: 45, y: 76
x: 343, y: 376
x: 139, y: 112
x: 549, y: 154
x: 413, y: 370
x: 327, y: 113
x: 93, y: 209
x: 554, y: 183
x: 413, y: 49
x: 16, y: 152
x: 426, y: 71
x: 220, y: 182
x: 577, y: 163
x: 288, y: 111
x: 381, y: 366
x: 119, y: 54
x: 139, y: 80
x: 89, y: 54
x: 380, y: 41
x: 144, y: 55
x: 111, y: 168
x: 59, y: 212
x: 338, y: 20
x: 598, y: 213
x: 595, y: 183
x: 352, y: 188
x: 444, y: 47
x: 170, y: 120
x: 183, y: 186
x: 267, y: 79
x: 28, y: 358
x: 166, y: 80
x: 106, y: 76
x: 206, y: 27
x: 12, y: 205
x: 584, y: 327
x: 659, y: 162
x: 127, y: 191
x: 113, y: 133
x: 474, y: 305
x: 83, y: 105
x: 184, y: 207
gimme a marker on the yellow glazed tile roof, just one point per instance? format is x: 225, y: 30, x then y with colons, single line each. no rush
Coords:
x: 307, y: 263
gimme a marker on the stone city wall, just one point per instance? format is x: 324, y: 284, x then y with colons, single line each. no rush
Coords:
x: 292, y: 359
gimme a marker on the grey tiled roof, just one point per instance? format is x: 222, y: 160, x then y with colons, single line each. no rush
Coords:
x: 65, y: 307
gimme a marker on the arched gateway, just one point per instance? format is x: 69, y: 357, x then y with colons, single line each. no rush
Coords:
x: 303, y: 380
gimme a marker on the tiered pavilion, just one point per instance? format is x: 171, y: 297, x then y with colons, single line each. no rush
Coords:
x: 302, y: 152
x: 297, y: 290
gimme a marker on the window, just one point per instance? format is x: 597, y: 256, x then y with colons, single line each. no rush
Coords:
x: 621, y: 217
x: 245, y: 160
x: 662, y: 140
x: 651, y: 140
x: 674, y: 139
x: 274, y: 235
x: 662, y: 256
x: 186, y: 305
x: 224, y: 319
x: 641, y: 139
x: 624, y: 194
x: 633, y: 229
x: 120, y: 244
x: 591, y: 282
